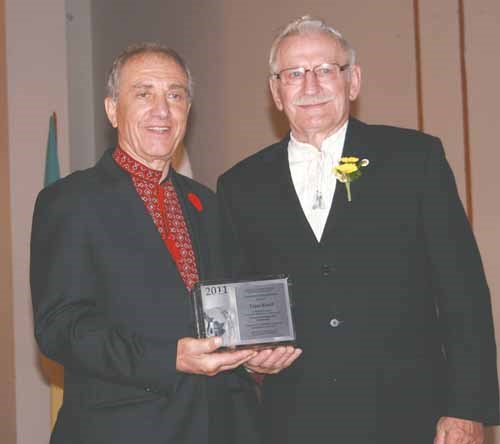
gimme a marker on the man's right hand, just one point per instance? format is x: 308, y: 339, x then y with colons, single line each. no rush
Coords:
x: 198, y: 356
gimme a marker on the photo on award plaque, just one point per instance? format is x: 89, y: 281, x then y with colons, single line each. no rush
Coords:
x: 245, y: 314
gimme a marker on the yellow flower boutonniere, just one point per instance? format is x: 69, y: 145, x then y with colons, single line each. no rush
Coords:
x: 348, y: 170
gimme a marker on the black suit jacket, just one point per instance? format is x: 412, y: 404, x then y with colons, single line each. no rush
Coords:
x: 392, y: 307
x: 110, y: 305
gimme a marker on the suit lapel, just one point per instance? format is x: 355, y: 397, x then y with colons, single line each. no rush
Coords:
x: 289, y: 205
x: 356, y: 144
x: 142, y: 233
x: 193, y: 219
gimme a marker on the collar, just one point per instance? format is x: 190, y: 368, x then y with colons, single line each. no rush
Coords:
x: 136, y: 168
x: 332, y: 145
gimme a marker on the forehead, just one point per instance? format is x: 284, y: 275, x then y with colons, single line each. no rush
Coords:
x: 151, y: 68
x: 313, y: 47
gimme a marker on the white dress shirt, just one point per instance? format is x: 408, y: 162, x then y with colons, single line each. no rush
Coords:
x: 312, y: 176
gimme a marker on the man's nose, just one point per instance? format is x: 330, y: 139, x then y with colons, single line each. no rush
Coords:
x: 161, y: 106
x: 311, y: 84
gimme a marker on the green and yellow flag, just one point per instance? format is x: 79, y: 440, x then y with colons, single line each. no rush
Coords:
x: 53, y: 370
x: 51, y: 160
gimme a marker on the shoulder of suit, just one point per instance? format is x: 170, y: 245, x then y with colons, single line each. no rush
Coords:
x: 68, y: 197
x: 252, y: 164
x: 397, y: 142
x: 101, y: 177
x: 382, y: 136
x: 79, y: 186
x: 381, y: 132
x: 76, y: 179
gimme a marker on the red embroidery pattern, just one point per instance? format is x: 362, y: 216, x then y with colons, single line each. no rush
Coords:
x: 163, y: 205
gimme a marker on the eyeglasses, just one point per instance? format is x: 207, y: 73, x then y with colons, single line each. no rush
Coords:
x: 324, y: 73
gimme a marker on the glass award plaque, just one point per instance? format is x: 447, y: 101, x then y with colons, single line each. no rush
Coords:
x: 245, y: 314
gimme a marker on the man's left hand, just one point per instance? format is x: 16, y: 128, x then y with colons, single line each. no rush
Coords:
x: 271, y: 361
x: 458, y: 431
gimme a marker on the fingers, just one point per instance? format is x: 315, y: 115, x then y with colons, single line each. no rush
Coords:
x: 237, y: 364
x: 201, y: 346
x: 218, y: 362
x: 192, y: 346
x: 288, y: 362
x: 197, y: 356
x: 277, y: 356
x: 260, y: 358
x: 439, y: 439
x: 287, y: 358
x: 458, y: 431
x: 273, y: 360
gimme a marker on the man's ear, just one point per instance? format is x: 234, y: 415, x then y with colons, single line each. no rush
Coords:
x: 355, y: 82
x: 110, y: 107
x: 273, y: 85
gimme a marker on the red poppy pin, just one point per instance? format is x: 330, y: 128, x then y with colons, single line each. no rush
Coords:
x: 195, y: 200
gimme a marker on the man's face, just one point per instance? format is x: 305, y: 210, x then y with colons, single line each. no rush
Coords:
x: 151, y: 110
x: 315, y: 109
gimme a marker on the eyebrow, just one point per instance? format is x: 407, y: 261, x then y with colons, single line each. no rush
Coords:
x: 179, y: 86
x: 173, y: 86
x: 140, y: 85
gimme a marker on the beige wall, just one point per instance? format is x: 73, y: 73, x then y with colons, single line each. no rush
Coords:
x: 37, y: 86
x: 226, y: 43
x: 82, y: 136
x: 7, y: 376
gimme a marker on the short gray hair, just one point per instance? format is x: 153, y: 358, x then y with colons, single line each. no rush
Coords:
x: 304, y: 25
x: 137, y: 49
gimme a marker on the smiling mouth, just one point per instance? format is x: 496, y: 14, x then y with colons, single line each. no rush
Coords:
x: 313, y: 100
x: 310, y: 105
x: 158, y: 129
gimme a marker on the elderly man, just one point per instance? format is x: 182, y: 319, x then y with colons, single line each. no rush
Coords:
x: 115, y: 251
x: 391, y: 303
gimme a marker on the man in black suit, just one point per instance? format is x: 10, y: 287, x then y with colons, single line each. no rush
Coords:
x: 115, y: 251
x: 392, y: 307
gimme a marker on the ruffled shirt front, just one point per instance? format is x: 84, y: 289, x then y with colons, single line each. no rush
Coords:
x: 312, y: 176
